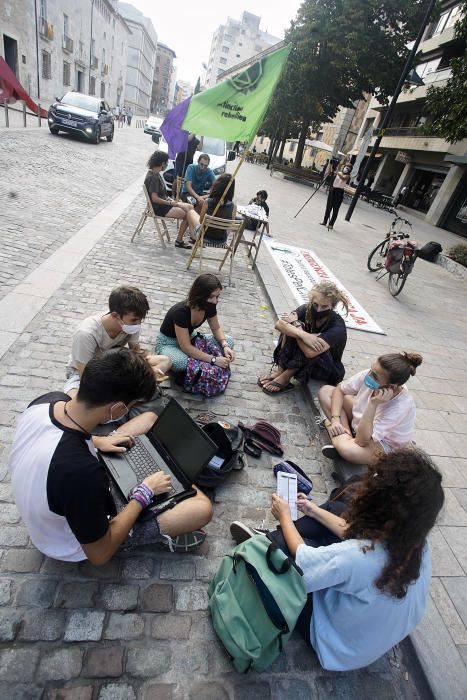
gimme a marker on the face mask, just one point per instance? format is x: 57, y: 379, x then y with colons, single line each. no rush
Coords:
x: 319, y: 315
x: 114, y: 418
x: 346, y: 171
x: 371, y: 383
x: 131, y: 330
x: 210, y: 308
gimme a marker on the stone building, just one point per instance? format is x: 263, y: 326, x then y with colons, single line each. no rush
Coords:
x: 433, y: 170
x: 163, y: 84
x: 141, y: 59
x: 53, y: 47
x: 234, y: 42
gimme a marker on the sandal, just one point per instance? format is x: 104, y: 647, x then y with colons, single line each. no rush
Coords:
x: 281, y: 389
x: 182, y: 244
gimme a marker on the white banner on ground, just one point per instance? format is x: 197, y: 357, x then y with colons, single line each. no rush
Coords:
x: 302, y: 269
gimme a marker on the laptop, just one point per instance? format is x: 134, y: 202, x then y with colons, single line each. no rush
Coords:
x: 175, y: 444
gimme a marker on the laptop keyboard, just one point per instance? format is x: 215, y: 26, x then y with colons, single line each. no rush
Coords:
x: 143, y: 463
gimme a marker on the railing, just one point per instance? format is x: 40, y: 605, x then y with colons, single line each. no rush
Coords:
x: 67, y: 44
x: 94, y: 62
x: 402, y: 131
x: 46, y: 30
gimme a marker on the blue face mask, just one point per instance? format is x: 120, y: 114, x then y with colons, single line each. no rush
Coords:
x: 371, y: 383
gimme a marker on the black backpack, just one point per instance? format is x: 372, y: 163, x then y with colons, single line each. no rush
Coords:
x: 229, y: 441
x: 430, y: 251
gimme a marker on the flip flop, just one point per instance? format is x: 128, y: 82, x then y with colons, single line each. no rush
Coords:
x: 263, y: 379
x: 281, y: 390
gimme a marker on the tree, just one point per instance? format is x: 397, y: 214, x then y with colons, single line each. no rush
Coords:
x: 197, y: 86
x: 450, y: 123
x: 341, y: 49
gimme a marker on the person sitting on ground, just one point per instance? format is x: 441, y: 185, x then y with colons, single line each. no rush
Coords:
x: 197, y: 178
x: 62, y: 490
x: 369, y: 589
x: 372, y: 412
x: 312, y: 341
x: 260, y: 201
x: 182, y: 319
x: 120, y: 326
x: 227, y: 210
x: 165, y: 207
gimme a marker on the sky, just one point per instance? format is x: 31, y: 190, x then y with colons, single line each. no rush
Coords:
x: 187, y: 26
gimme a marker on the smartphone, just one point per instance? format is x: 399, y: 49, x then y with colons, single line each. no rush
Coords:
x: 287, y: 489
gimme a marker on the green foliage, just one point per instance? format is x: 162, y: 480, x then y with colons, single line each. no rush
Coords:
x: 447, y: 105
x: 458, y: 253
x: 340, y: 49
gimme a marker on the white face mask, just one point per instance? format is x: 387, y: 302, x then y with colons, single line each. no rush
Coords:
x: 131, y: 330
x: 114, y: 418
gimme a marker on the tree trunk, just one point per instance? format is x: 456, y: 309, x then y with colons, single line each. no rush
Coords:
x: 301, y: 144
x: 285, y: 132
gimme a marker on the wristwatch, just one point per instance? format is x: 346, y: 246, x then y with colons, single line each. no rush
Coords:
x: 213, y: 360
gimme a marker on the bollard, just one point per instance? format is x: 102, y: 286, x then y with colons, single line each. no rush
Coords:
x: 7, y: 117
x: 39, y: 121
x: 24, y: 114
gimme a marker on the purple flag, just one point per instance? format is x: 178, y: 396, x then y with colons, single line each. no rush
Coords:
x: 171, y: 128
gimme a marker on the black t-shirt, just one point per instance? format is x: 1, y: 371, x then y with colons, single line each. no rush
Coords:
x: 180, y: 315
x: 77, y: 483
x: 333, y: 332
x: 154, y: 183
x: 224, y: 212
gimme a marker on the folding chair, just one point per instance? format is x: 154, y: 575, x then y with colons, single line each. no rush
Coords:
x: 159, y: 221
x: 234, y: 230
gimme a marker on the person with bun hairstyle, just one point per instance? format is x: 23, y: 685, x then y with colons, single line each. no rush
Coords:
x: 312, y: 342
x: 368, y: 578
x: 372, y: 412
x: 223, y: 187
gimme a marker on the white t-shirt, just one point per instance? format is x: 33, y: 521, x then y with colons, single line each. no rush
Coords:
x: 338, y: 183
x: 394, y: 420
x: 353, y: 622
x: 91, y: 339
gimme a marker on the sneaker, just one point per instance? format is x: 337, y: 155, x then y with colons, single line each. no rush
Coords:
x: 330, y: 452
x: 322, y: 223
x: 187, y: 542
x: 241, y: 532
x: 330, y: 228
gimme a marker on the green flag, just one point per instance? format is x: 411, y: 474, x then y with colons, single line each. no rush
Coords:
x: 233, y: 109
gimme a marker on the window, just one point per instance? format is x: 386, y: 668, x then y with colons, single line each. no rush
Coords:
x: 43, y: 11
x: 237, y: 55
x: 240, y: 43
x: 223, y: 61
x: 103, y: 58
x: 424, y: 69
x: 81, y: 49
x: 292, y: 145
x: 66, y: 73
x: 227, y: 37
x: 102, y: 89
x: 225, y: 49
x: 92, y: 85
x: 447, y: 19
x: 46, y: 65
x: 454, y: 15
x: 65, y: 29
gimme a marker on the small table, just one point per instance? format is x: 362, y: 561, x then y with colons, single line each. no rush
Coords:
x: 261, y: 218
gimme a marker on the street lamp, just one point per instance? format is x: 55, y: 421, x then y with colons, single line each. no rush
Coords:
x: 404, y: 78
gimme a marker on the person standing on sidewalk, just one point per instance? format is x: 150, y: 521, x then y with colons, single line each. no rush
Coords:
x: 335, y: 196
x: 129, y: 116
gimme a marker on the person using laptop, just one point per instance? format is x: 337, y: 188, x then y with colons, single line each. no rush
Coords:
x: 61, y: 488
x: 119, y: 327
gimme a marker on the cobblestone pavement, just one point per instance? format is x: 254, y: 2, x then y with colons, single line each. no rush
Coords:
x: 54, y: 185
x: 138, y: 627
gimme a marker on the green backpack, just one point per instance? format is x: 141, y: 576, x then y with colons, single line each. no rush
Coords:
x: 256, y: 597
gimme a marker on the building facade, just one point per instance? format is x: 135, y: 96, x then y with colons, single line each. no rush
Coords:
x: 433, y: 171
x: 141, y: 59
x: 183, y: 89
x: 234, y: 42
x: 163, y: 84
x: 53, y: 47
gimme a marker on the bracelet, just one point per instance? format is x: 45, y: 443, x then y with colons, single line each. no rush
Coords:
x: 335, y: 417
x: 142, y: 494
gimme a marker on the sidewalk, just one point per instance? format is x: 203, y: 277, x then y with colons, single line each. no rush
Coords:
x: 138, y: 628
x: 429, y: 317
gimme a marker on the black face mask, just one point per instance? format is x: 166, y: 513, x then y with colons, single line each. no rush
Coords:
x: 210, y: 308
x: 319, y: 315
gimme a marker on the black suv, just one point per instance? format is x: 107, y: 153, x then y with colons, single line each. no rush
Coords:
x: 81, y: 114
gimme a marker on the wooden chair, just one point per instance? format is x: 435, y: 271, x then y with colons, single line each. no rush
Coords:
x: 234, y: 230
x: 160, y: 224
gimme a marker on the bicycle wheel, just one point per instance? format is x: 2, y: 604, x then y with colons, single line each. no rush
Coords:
x: 376, y: 258
x: 396, y: 282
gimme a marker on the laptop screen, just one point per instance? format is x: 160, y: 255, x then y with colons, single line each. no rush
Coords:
x: 187, y: 444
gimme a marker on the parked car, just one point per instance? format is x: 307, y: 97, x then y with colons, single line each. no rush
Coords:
x: 217, y: 151
x: 76, y: 113
x: 152, y: 126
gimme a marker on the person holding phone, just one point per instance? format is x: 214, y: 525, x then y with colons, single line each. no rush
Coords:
x: 372, y: 413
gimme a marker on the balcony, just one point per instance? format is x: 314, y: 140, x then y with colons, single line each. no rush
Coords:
x: 95, y: 62
x: 67, y: 44
x: 403, y: 131
x: 411, y: 138
x: 46, y: 30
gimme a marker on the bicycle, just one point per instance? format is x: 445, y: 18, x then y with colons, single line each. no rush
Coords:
x: 396, y: 260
